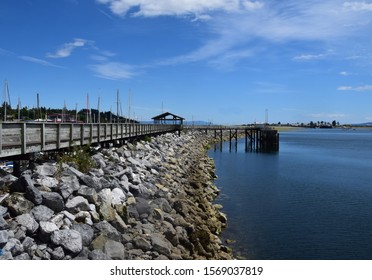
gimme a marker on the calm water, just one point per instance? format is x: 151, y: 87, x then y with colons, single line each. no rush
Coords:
x: 311, y: 200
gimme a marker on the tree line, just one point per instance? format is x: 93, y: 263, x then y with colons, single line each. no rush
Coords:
x: 43, y: 114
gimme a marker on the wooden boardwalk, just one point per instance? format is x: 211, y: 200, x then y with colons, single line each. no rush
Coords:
x: 22, y: 138
x: 260, y: 139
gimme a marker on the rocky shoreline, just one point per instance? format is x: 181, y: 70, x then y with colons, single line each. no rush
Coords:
x: 143, y: 201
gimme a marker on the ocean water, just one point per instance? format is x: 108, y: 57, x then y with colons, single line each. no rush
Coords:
x: 310, y: 200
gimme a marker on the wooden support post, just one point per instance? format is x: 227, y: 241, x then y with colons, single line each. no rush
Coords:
x: 230, y: 140
x: 17, y: 168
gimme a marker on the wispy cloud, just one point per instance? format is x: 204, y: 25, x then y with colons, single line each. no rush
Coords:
x: 66, y: 49
x: 38, y: 61
x: 307, y: 57
x: 236, y: 25
x: 114, y: 70
x: 345, y: 73
x: 357, y: 88
x: 358, y: 6
x: 5, y: 52
x: 148, y: 8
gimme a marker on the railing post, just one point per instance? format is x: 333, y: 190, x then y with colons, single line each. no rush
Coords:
x: 24, y: 138
x: 43, y: 136
x: 82, y: 134
x: 58, y: 136
x: 99, y: 132
x: 91, y: 133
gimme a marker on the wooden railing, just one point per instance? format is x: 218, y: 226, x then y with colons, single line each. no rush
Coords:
x: 18, y: 138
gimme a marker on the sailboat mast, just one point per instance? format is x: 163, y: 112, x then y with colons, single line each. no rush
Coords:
x: 117, y: 106
x: 19, y: 109
x: 99, y: 111
x: 38, y: 116
x: 87, y: 113
x: 129, y: 93
x: 5, y: 97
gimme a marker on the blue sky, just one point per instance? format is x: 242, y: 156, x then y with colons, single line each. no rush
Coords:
x: 225, y: 61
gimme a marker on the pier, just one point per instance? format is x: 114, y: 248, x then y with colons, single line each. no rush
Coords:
x: 258, y: 139
x: 20, y: 139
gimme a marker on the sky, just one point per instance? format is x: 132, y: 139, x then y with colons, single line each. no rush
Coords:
x: 221, y: 61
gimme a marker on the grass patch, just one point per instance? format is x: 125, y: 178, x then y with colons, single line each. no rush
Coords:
x: 80, y: 158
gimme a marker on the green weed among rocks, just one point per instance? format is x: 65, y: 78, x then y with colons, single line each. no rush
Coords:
x: 80, y: 158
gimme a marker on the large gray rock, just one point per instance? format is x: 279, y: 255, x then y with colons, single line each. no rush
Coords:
x: 68, y: 239
x: 17, y: 204
x: 58, y: 253
x: 21, y: 184
x: 99, y: 159
x: 47, y: 182
x: 142, y: 206
x: 115, y: 250
x: 86, y: 232
x: 4, y: 236
x: 3, y: 224
x: 13, y: 246
x: 108, y: 230
x: 77, y: 204
x: 53, y: 200
x: 68, y: 185
x: 161, y: 245
x: 118, y: 196
x: 33, y: 195
x: 27, y: 243
x: 47, y: 228
x: 105, y: 196
x: 28, y: 222
x: 42, y: 213
x: 47, y: 169
x: 89, y: 193
x: 3, y: 210
x: 98, y: 255
x: 91, y: 182
x: 142, y: 243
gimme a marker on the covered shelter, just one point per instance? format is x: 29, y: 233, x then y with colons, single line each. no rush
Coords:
x: 168, y: 118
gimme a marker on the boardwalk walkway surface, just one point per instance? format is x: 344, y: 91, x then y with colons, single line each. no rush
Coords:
x: 22, y: 138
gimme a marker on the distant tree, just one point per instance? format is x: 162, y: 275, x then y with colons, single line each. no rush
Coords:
x: 334, y: 123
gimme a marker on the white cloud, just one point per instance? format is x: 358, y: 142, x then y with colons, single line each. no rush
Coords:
x: 358, y: 6
x: 150, y: 8
x: 345, y: 73
x: 38, y: 61
x: 114, y: 71
x: 358, y: 88
x: 68, y: 48
x: 234, y: 25
x: 305, y: 57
